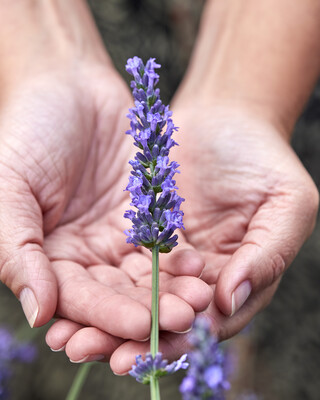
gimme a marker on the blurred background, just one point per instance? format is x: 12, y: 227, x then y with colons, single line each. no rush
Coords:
x: 279, y: 354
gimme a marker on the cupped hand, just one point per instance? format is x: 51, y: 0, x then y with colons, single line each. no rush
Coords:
x: 64, y: 164
x: 250, y: 205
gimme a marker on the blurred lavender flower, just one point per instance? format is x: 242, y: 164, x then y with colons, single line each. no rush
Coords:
x: 12, y: 351
x: 151, y: 184
x: 155, y: 367
x: 207, y: 375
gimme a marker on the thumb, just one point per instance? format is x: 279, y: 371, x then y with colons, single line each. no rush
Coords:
x: 24, y: 267
x: 274, y: 237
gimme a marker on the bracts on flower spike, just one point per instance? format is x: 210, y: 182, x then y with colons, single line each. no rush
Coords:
x: 155, y: 366
x: 151, y: 184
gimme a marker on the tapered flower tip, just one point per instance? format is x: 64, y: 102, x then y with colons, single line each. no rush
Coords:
x: 134, y: 66
x: 155, y: 367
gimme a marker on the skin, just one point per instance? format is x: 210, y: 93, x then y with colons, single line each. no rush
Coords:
x: 250, y: 203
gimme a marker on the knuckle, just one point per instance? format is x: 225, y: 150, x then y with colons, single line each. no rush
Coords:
x: 278, y: 266
x: 7, y: 273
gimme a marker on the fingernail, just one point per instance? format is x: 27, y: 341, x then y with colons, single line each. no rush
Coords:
x: 182, y: 333
x: 124, y: 374
x: 239, y: 296
x: 144, y: 340
x: 29, y: 305
x: 93, y: 357
x: 56, y: 351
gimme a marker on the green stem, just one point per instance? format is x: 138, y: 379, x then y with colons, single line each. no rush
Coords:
x: 78, y: 381
x: 154, y: 339
x: 154, y: 388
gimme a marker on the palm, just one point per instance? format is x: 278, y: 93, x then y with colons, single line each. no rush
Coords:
x: 224, y: 184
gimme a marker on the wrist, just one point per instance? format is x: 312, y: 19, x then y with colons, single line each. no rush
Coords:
x: 233, y: 113
x: 37, y: 37
x: 225, y: 107
x: 267, y: 64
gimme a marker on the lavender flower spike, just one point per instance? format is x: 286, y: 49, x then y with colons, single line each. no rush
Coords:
x: 144, y: 370
x: 151, y: 184
x: 11, y: 351
x: 207, y: 375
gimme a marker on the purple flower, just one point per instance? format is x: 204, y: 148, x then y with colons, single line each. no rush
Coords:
x: 151, y: 185
x: 25, y: 352
x: 207, y: 374
x: 188, y: 385
x: 12, y: 350
x: 133, y: 67
x: 155, y: 367
x: 213, y: 376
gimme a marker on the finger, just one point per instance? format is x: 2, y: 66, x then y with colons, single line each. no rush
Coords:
x: 274, y: 237
x: 91, y: 344
x: 24, y: 267
x: 182, y: 260
x: 214, y: 264
x: 171, y: 345
x: 60, y: 333
x: 88, y: 302
x: 224, y: 327
x: 176, y: 312
x: 193, y: 291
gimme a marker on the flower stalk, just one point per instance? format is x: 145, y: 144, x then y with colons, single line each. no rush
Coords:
x: 154, y: 338
x: 154, y: 388
x: 153, y: 194
x: 79, y: 381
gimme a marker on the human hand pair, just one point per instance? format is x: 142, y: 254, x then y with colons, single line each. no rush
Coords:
x: 249, y: 207
x: 63, y: 170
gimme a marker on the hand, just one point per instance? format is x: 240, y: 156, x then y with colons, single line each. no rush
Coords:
x: 64, y: 166
x: 250, y: 206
